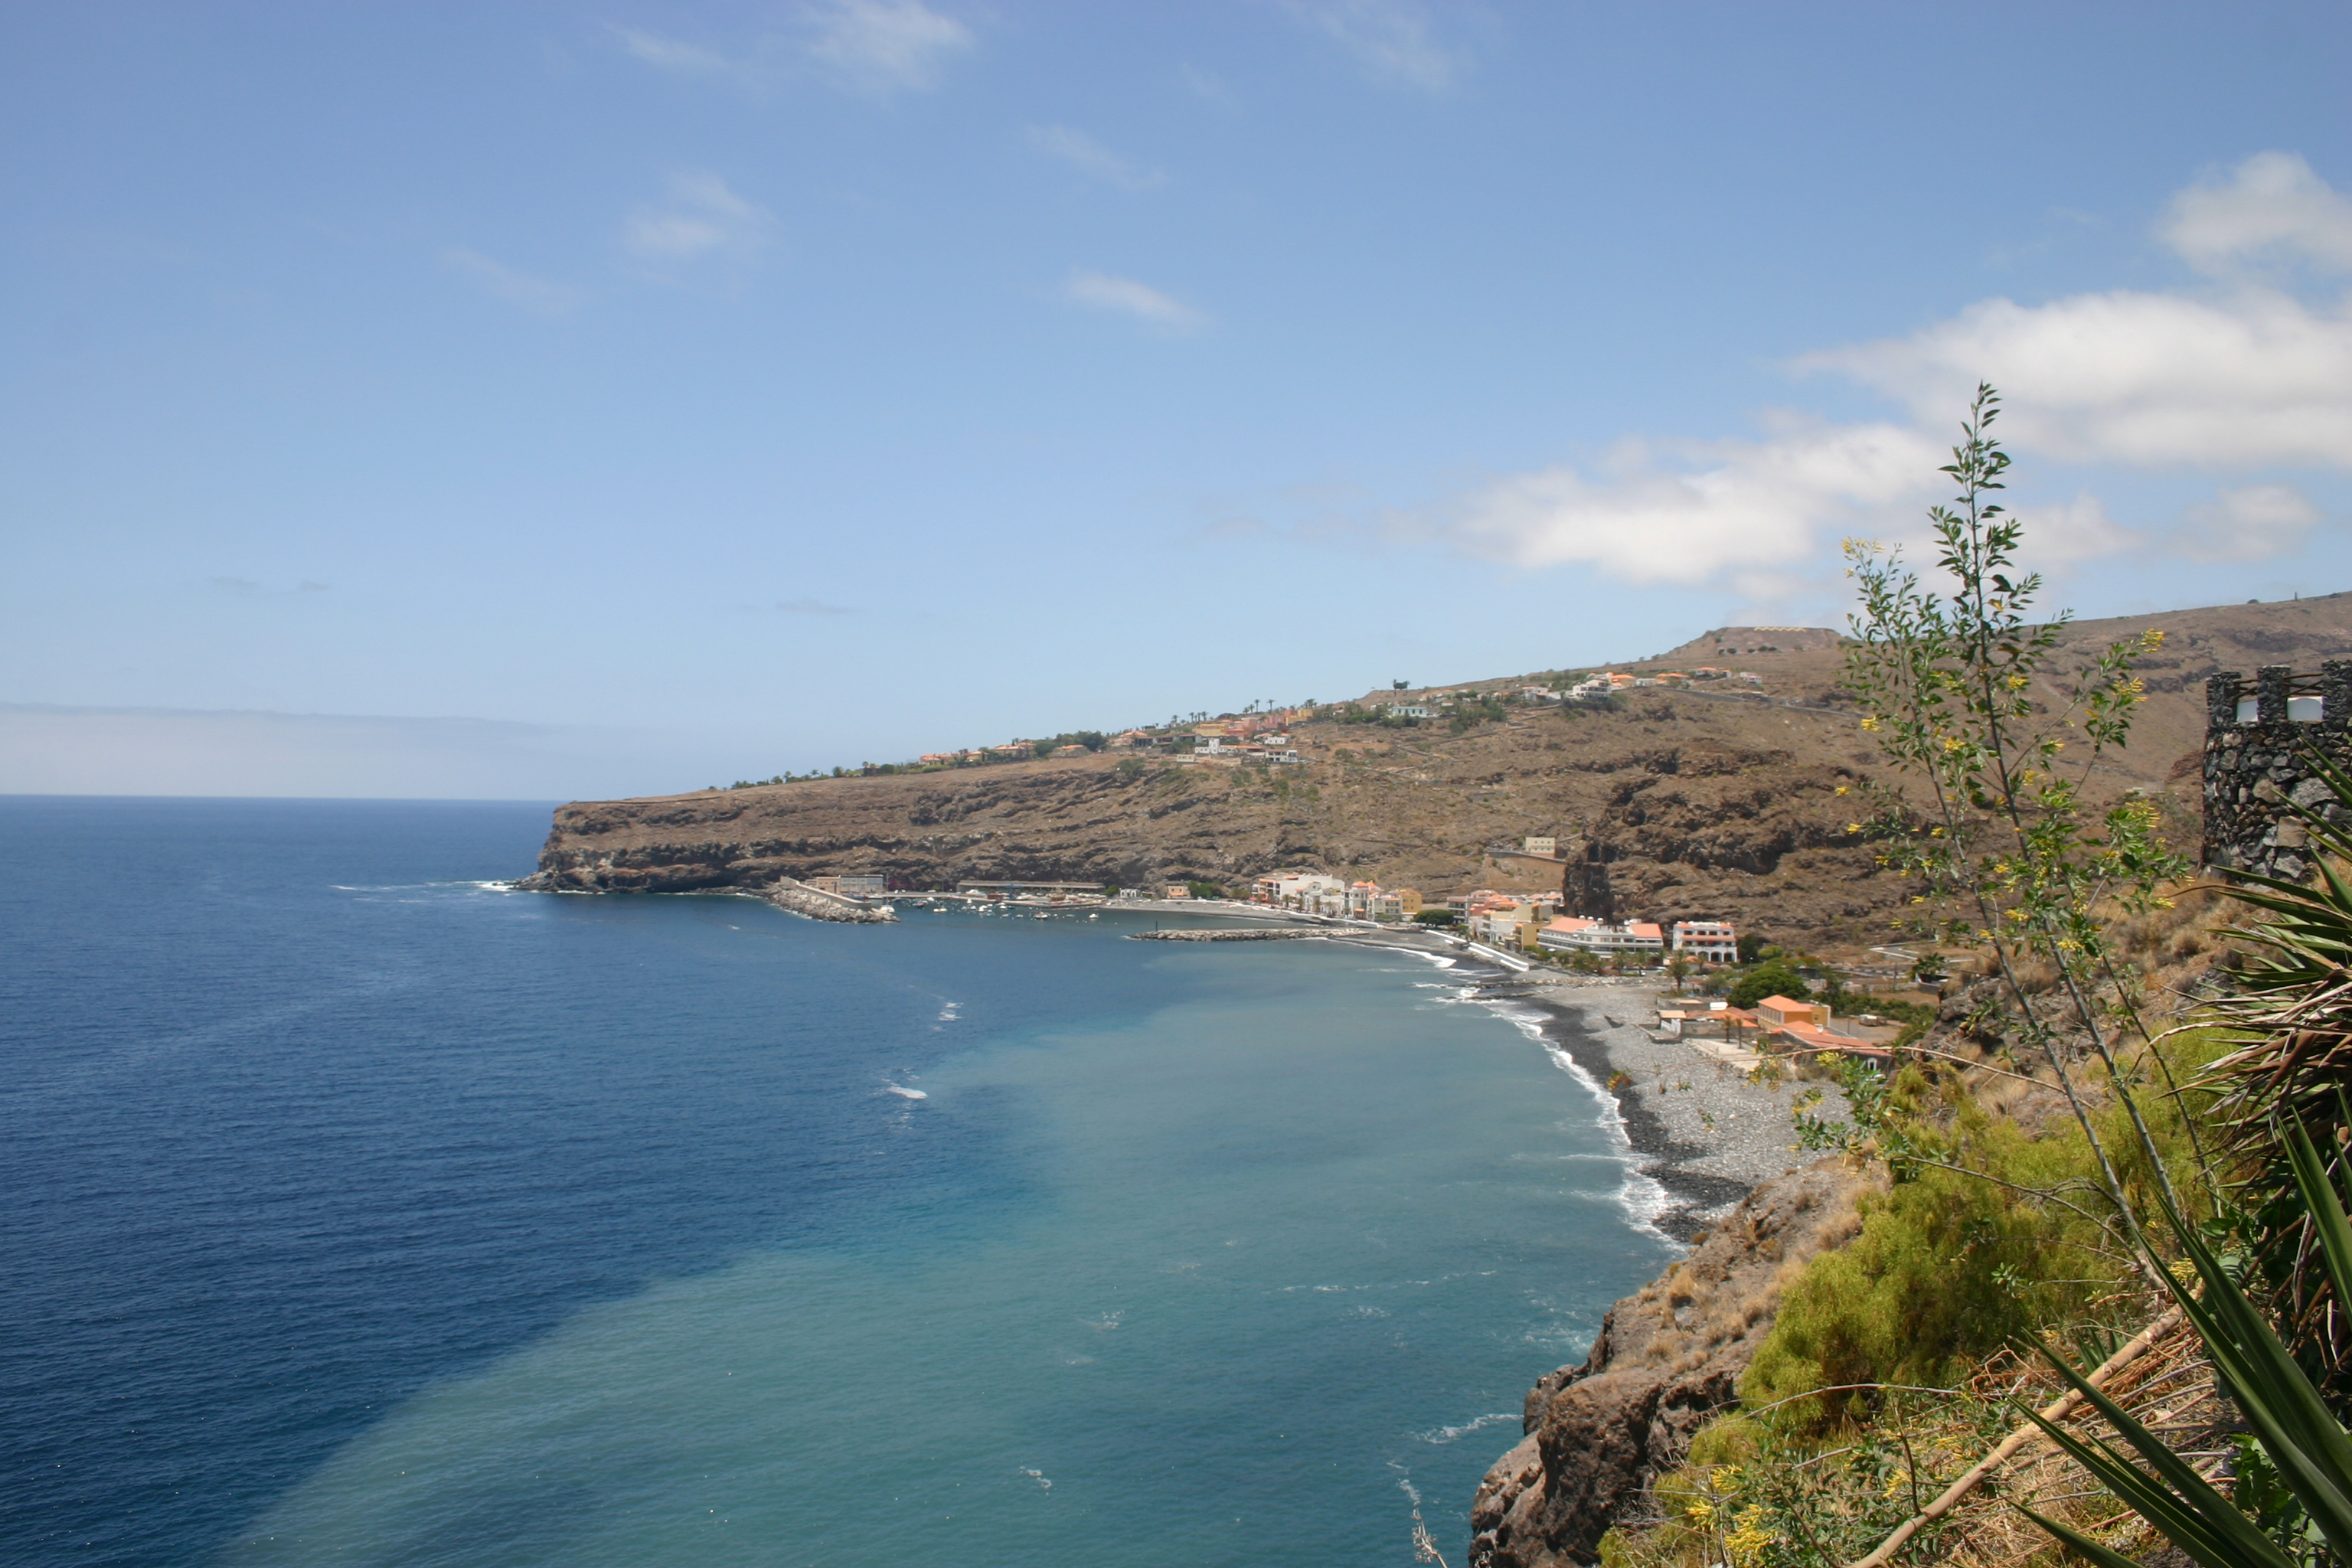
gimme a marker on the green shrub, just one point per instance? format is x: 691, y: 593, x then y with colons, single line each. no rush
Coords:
x: 1989, y: 1235
x: 1768, y: 980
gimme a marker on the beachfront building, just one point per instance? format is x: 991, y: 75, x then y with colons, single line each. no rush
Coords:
x: 1808, y: 1027
x: 1708, y: 941
x: 1309, y: 892
x: 1177, y: 890
x: 1555, y: 935
x: 1775, y: 1012
x: 1506, y: 919
x: 1639, y: 940
x: 1396, y: 904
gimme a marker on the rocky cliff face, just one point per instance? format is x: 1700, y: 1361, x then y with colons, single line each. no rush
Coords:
x: 1683, y: 806
x: 1666, y: 1359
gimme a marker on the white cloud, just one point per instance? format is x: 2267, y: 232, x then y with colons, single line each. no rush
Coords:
x: 2249, y: 375
x: 2144, y: 379
x: 2064, y: 535
x: 2272, y: 207
x: 1690, y: 512
x: 2248, y: 525
x: 673, y: 55
x: 703, y: 217
x: 883, y: 44
x: 1390, y: 41
x: 1102, y: 292
x: 873, y: 44
x: 537, y: 295
x: 1087, y: 155
x: 2242, y: 377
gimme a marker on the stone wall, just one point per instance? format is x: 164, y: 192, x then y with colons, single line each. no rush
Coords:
x: 2255, y: 763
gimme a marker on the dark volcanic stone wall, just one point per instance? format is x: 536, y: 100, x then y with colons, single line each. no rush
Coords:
x: 2253, y: 766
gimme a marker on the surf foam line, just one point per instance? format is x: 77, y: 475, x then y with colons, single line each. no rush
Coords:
x: 1642, y: 1196
x: 1442, y: 1435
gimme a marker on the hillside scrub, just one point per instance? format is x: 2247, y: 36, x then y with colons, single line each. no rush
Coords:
x: 1987, y: 1234
x: 2048, y: 1180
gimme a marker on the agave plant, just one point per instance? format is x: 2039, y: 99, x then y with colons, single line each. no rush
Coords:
x: 2290, y: 1420
x: 2292, y: 999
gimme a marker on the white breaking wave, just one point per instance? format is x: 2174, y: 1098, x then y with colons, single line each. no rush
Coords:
x: 1643, y: 1200
x: 1444, y: 1434
x: 904, y: 1092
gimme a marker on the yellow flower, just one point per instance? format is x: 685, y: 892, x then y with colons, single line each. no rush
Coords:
x: 1845, y: 789
x: 1746, y: 1544
x: 2017, y: 683
x: 2018, y: 915
x: 1951, y: 743
x: 1700, y: 1512
x: 1853, y: 828
x: 1870, y: 723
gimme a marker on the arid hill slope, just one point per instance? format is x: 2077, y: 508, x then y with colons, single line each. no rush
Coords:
x: 1697, y: 804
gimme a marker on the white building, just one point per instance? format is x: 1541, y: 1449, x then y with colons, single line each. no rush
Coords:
x: 1709, y: 942
x: 1410, y: 710
x: 1309, y: 892
x: 1635, y: 939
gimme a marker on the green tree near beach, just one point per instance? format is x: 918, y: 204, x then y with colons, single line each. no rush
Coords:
x: 1768, y: 979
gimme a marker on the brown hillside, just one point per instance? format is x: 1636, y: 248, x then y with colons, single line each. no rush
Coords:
x: 1698, y: 803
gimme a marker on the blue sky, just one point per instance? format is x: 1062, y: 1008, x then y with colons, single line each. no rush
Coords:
x: 675, y: 394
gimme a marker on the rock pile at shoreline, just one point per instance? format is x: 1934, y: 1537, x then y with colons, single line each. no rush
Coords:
x: 1247, y: 933
x: 815, y: 904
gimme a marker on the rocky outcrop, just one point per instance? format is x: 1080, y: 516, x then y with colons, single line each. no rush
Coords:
x: 1666, y: 1359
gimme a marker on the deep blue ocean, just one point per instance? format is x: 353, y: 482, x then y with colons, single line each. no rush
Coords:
x: 358, y: 1211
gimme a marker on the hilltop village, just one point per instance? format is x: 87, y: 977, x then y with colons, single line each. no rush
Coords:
x: 1260, y: 735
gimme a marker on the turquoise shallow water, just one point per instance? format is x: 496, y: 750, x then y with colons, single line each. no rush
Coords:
x: 1186, y: 1254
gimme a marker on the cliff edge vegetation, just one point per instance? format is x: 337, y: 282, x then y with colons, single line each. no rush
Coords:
x: 2089, y: 1299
